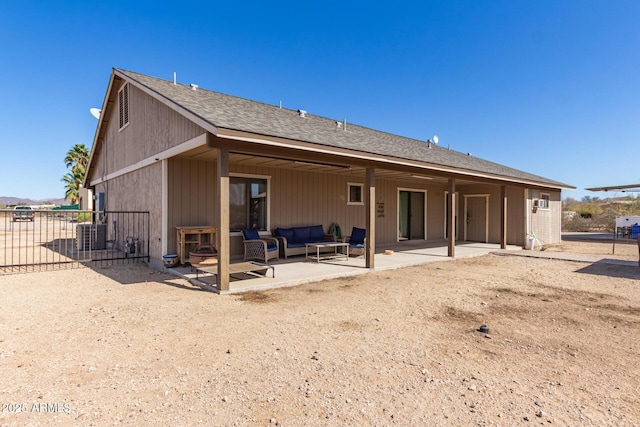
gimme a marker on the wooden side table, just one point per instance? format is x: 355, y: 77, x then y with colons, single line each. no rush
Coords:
x: 190, y: 237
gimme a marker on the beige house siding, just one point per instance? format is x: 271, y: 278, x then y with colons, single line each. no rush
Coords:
x: 493, y: 193
x: 192, y: 191
x: 140, y: 190
x: 516, y: 218
x: 546, y: 223
x: 153, y: 128
x: 515, y: 212
x: 299, y: 198
x: 436, y: 212
x: 296, y: 198
x: 387, y: 225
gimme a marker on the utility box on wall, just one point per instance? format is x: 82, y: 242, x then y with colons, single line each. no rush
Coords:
x: 100, y: 202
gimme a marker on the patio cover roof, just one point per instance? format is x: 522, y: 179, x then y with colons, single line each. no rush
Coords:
x: 629, y: 188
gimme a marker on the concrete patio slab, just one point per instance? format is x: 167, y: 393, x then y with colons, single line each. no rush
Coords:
x: 298, y: 270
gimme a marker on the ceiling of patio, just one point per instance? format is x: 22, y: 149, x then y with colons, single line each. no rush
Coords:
x: 205, y: 153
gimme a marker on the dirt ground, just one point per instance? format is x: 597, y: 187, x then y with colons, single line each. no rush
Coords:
x: 131, y: 345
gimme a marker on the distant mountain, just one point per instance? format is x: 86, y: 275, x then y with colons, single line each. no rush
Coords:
x: 10, y: 201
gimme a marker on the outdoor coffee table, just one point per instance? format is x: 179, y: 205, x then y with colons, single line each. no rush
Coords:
x: 250, y: 268
x: 335, y: 245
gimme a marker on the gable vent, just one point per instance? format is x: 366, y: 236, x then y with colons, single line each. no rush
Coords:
x: 123, y: 106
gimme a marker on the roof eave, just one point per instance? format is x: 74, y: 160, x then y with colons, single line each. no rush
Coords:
x: 270, y: 140
x: 96, y: 136
x: 196, y: 118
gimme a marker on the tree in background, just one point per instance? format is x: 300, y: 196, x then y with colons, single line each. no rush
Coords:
x: 77, y: 159
x: 594, y: 214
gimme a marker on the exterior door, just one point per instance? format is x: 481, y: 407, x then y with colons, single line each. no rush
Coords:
x: 476, y: 213
x: 411, y: 215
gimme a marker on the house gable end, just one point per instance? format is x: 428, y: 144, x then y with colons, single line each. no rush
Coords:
x: 152, y: 128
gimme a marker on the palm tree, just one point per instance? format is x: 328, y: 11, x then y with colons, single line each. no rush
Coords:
x: 77, y: 158
x: 73, y: 182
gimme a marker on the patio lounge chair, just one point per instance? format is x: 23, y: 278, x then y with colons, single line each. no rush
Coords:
x: 356, y: 241
x: 259, y: 248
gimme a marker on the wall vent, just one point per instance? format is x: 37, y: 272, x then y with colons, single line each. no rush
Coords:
x: 123, y: 106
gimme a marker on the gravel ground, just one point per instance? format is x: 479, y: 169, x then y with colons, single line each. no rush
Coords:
x: 131, y: 345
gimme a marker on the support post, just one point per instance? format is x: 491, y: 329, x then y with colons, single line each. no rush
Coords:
x: 224, y: 252
x: 451, y: 213
x: 370, y: 206
x: 165, y: 207
x: 503, y: 217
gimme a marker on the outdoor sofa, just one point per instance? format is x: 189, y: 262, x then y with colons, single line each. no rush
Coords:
x: 293, y: 240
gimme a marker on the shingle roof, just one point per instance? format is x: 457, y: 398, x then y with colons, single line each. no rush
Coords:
x: 230, y: 112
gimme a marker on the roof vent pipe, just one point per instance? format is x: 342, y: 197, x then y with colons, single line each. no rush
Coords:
x: 344, y: 127
x: 174, y: 78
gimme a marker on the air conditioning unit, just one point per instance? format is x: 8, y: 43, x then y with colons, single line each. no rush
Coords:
x: 539, y: 203
x: 91, y: 237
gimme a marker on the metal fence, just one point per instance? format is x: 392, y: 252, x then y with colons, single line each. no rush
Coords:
x: 41, y: 240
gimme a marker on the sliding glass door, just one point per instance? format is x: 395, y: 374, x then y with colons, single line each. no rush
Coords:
x: 411, y: 214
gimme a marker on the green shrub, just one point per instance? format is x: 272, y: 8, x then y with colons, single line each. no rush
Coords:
x: 84, y: 217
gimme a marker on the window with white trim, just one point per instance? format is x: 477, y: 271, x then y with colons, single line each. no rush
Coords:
x: 355, y: 193
x: 543, y: 202
x: 123, y: 106
x: 248, y: 202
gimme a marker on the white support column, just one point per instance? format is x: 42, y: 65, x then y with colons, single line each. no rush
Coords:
x: 503, y: 217
x: 165, y: 207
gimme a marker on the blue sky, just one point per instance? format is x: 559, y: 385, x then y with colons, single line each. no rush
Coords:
x: 549, y: 87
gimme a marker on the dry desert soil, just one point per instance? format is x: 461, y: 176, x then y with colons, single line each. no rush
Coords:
x: 131, y: 345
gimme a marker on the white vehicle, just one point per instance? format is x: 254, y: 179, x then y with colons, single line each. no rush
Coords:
x: 23, y: 213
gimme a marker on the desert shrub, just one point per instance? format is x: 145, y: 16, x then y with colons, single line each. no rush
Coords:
x: 598, y: 215
x: 577, y: 223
